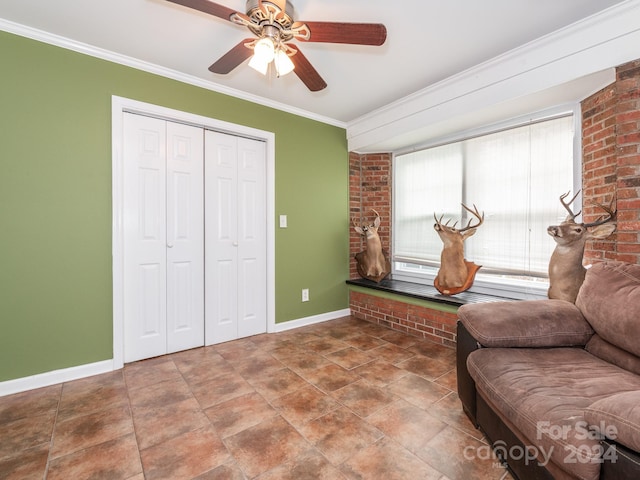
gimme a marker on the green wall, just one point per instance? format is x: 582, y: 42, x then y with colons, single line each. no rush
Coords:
x: 55, y: 201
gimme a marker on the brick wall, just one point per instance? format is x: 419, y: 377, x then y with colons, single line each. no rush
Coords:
x: 416, y: 320
x: 369, y: 188
x: 611, y: 163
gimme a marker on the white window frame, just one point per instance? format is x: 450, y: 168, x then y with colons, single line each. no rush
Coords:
x: 488, y: 284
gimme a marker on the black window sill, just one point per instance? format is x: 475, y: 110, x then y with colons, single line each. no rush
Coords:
x: 426, y: 292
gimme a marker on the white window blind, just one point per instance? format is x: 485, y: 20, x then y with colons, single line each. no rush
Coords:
x: 515, y: 176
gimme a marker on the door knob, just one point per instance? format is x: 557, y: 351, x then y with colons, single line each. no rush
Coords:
x: 235, y: 244
x: 170, y: 245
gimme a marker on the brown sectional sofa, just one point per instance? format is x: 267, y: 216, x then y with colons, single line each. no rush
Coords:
x: 555, y: 386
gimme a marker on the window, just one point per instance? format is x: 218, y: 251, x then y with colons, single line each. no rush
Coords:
x: 514, y: 175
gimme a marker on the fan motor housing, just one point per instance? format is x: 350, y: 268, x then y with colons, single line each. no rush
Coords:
x: 271, y: 11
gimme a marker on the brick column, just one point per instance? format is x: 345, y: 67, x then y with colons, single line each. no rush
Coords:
x: 355, y: 203
x: 611, y: 163
x: 369, y: 188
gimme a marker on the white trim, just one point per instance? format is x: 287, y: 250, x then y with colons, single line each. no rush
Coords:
x: 592, y: 45
x: 54, y: 377
x: 121, y: 105
x: 306, y: 321
x: 572, y: 108
x: 46, y: 379
x: 86, y: 49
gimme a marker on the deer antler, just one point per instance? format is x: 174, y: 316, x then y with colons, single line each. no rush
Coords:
x: 476, y: 214
x: 439, y: 222
x: 566, y: 205
x: 363, y: 225
x: 611, y: 215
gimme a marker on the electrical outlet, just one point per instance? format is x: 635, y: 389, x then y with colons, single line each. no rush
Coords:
x: 305, y: 294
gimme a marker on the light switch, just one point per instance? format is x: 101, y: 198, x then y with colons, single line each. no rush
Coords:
x: 283, y: 221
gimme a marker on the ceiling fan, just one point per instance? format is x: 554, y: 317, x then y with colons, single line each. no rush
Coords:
x: 273, y: 24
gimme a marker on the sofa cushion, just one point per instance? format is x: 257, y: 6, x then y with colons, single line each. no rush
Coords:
x: 612, y: 354
x: 544, y: 394
x: 618, y: 418
x: 529, y: 323
x: 610, y: 301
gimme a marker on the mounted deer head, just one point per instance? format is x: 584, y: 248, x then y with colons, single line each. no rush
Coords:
x: 372, y: 263
x: 566, y: 272
x: 456, y: 274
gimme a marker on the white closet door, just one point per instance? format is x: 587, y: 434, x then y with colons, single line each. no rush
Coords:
x: 235, y: 234
x: 145, y: 267
x: 221, y: 180
x: 252, y: 238
x: 185, y: 237
x: 163, y: 244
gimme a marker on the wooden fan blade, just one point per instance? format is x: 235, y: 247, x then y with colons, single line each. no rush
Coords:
x: 232, y: 58
x: 305, y: 71
x: 337, y: 32
x: 207, y: 7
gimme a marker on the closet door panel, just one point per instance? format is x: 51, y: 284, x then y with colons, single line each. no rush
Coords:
x: 145, y: 237
x: 150, y: 292
x: 252, y: 225
x: 185, y: 237
x: 221, y: 224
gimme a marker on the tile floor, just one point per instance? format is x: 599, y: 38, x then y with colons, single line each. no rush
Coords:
x: 344, y: 399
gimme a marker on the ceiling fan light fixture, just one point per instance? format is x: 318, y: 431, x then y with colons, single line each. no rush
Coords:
x: 263, y: 55
x: 259, y: 65
x: 283, y: 63
x: 265, y: 50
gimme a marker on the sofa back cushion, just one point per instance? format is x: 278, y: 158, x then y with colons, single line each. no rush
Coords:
x: 610, y: 301
x: 612, y: 354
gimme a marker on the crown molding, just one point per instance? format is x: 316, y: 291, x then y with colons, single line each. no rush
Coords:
x: 86, y: 49
x: 594, y: 44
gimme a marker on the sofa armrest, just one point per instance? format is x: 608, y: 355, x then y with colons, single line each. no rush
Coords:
x: 528, y: 323
x: 617, y: 418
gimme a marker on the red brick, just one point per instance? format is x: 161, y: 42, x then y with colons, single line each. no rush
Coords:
x: 627, y: 258
x: 626, y: 128
x: 628, y: 116
x: 629, y: 226
x: 593, y: 146
x: 426, y: 329
x: 627, y: 215
x: 603, y: 246
x: 605, y: 133
x: 629, y: 171
x: 628, y: 204
x: 623, y: 151
x: 628, y: 237
x: 628, y: 248
x: 629, y: 92
x: 629, y: 138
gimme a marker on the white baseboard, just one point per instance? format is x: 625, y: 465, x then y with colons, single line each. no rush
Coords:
x: 74, y: 373
x: 56, y: 376
x: 303, y: 322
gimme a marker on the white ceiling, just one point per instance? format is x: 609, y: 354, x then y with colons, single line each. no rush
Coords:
x: 428, y: 41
